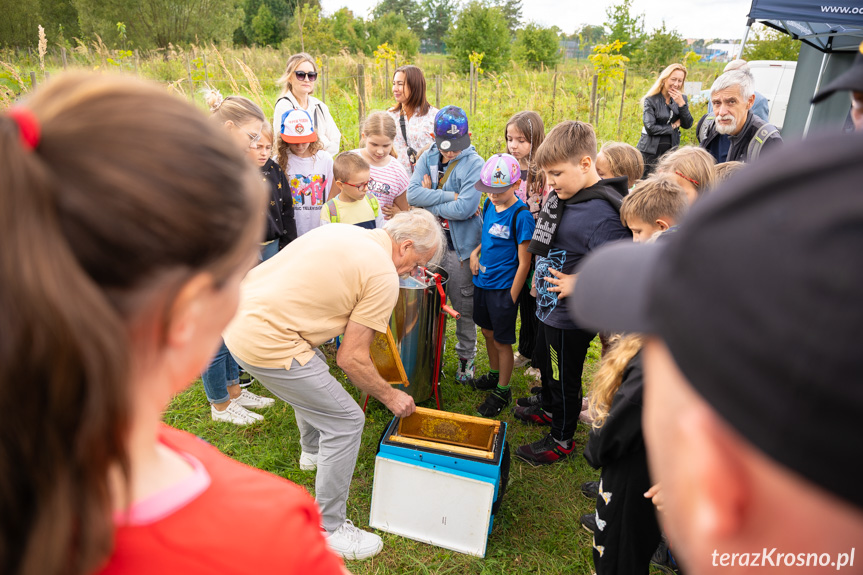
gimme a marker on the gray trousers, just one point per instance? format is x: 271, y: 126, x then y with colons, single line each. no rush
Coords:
x: 331, y: 425
x: 460, y: 292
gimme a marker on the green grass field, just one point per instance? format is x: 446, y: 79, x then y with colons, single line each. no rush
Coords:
x: 537, y: 529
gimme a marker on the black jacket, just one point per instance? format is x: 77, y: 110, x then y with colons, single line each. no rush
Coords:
x: 280, y: 208
x: 629, y: 531
x: 739, y: 151
x: 658, y: 117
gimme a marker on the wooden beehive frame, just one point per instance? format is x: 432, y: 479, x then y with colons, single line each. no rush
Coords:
x: 386, y: 358
x: 468, y: 435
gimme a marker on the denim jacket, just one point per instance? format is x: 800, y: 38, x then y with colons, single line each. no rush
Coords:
x: 465, y: 226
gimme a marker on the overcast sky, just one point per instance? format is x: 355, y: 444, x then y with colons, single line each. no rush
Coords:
x: 691, y: 18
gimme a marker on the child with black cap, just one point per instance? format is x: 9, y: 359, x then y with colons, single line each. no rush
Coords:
x: 500, y: 265
x: 443, y: 183
x: 580, y: 214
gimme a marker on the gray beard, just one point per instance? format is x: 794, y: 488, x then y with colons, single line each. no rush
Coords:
x: 726, y: 128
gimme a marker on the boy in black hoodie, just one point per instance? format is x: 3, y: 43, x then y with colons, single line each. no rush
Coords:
x: 582, y: 212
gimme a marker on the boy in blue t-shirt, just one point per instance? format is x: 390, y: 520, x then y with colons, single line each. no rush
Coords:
x: 500, y: 265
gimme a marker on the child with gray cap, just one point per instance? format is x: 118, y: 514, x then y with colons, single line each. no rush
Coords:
x: 500, y: 265
x: 755, y: 319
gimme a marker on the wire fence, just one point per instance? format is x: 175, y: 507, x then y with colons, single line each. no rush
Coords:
x: 353, y: 86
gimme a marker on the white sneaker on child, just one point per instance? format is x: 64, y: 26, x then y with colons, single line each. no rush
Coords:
x: 236, y: 414
x: 249, y: 400
x: 352, y: 543
x: 308, y: 461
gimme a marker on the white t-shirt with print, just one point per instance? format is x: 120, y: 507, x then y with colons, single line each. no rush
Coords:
x: 310, y: 180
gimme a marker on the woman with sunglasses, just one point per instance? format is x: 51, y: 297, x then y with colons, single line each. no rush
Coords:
x: 298, y: 83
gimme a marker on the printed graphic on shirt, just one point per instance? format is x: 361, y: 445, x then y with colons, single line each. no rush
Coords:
x: 308, y: 191
x: 499, y: 231
x: 546, y: 301
x: 600, y: 524
x: 599, y: 548
x: 379, y: 189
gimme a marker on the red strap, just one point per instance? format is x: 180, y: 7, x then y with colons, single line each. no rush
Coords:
x: 28, y: 126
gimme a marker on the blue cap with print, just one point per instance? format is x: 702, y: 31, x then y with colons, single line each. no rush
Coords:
x: 451, y: 130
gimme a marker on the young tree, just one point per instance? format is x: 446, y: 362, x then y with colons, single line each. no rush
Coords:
x: 349, y: 30
x: 769, y: 44
x: 479, y: 28
x: 625, y: 27
x: 265, y: 28
x: 535, y: 45
x: 662, y: 47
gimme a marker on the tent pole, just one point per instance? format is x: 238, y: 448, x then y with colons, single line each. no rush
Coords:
x: 817, y: 88
x: 745, y: 37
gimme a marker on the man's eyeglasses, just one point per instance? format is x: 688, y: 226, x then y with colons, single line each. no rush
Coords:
x: 312, y: 76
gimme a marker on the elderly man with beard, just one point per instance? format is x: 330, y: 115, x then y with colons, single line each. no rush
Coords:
x: 732, y: 96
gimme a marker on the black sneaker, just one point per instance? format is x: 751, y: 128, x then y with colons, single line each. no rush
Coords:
x: 590, y: 489
x: 530, y: 400
x: 588, y: 521
x: 663, y: 560
x: 544, y: 451
x: 246, y: 379
x: 485, y: 383
x: 534, y: 414
x: 495, y: 402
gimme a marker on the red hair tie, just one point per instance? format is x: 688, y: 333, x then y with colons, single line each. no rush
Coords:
x: 28, y: 126
x: 687, y: 178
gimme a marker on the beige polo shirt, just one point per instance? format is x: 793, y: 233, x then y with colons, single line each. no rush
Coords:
x: 305, y: 295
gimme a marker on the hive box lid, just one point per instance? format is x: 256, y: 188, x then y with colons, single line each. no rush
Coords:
x: 431, y: 506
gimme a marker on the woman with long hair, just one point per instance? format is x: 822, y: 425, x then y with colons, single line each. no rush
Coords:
x: 666, y: 110
x: 298, y: 82
x: 413, y: 114
x: 128, y: 222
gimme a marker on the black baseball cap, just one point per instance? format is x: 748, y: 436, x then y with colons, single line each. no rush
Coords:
x: 759, y: 298
x: 851, y: 79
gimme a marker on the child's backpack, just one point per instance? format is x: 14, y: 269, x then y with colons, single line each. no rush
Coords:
x: 333, y: 208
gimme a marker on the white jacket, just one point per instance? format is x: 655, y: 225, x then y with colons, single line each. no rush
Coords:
x: 328, y: 133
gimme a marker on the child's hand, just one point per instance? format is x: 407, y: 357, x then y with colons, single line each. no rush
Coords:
x: 562, y: 283
x: 390, y: 211
x: 474, y: 263
x: 655, y: 495
x: 427, y: 183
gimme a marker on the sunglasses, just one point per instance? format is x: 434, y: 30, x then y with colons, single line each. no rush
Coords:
x: 312, y: 76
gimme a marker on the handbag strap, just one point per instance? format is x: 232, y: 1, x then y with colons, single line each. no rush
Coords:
x: 446, y: 174
x: 404, y: 130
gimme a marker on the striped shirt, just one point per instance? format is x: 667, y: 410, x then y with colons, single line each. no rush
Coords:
x: 387, y: 183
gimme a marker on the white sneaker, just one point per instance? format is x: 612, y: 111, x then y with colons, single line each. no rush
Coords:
x: 352, y: 543
x: 308, y: 461
x: 519, y: 360
x: 236, y: 414
x: 249, y: 400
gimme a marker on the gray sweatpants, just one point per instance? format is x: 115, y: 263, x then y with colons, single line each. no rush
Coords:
x: 460, y: 292
x: 331, y: 425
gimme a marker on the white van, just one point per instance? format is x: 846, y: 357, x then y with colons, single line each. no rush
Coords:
x: 773, y: 78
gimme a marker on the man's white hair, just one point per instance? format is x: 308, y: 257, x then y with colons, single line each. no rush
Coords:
x: 736, y: 78
x: 421, y: 227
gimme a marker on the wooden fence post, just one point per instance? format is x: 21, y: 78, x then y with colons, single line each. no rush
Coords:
x: 361, y: 86
x: 622, y: 97
x: 137, y: 62
x: 437, y: 92
x: 324, y: 83
x: 206, y: 74
x: 386, y: 76
x: 593, y: 100
x: 63, y: 53
x: 553, y: 93
x: 33, y: 80
x: 189, y: 72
